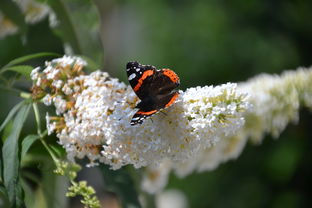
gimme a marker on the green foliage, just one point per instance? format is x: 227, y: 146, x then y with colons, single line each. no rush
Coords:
x: 11, y: 114
x: 67, y: 169
x: 22, y: 69
x: 22, y: 59
x: 27, y: 142
x: 86, y: 192
x: 77, y: 188
x: 10, y: 154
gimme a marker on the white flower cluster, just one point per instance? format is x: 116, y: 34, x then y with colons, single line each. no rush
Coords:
x: 32, y: 10
x: 95, y: 112
x: 275, y: 100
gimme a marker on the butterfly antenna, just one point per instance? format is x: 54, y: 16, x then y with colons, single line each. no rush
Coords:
x: 164, y: 113
x: 122, y: 117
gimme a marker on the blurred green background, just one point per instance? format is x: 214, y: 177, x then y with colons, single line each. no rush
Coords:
x: 206, y: 43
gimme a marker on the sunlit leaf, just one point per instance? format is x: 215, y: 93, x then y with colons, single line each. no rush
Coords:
x: 11, y: 114
x: 10, y: 157
x: 27, y: 142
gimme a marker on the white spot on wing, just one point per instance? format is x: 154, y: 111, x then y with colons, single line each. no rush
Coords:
x: 138, y: 69
x: 132, y: 76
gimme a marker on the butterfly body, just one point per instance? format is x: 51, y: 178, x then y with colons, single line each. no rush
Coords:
x: 155, y: 88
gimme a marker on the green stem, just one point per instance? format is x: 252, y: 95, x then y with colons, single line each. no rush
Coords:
x: 42, y: 135
x: 25, y: 95
x: 17, y: 92
x: 37, y: 116
x: 49, y: 150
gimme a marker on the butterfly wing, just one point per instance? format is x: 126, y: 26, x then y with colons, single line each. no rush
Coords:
x: 164, y: 82
x: 139, y: 75
x: 148, y: 107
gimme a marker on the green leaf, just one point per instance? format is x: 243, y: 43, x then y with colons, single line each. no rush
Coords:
x: 11, y: 114
x: 27, y: 142
x: 6, y: 132
x: 1, y: 163
x: 20, y: 195
x: 29, y: 193
x: 29, y: 57
x: 4, y: 197
x: 121, y: 183
x: 10, y: 157
x: 24, y: 70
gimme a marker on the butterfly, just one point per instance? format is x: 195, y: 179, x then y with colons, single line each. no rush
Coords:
x: 154, y: 87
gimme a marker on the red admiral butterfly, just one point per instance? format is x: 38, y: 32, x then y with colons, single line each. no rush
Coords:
x: 155, y: 88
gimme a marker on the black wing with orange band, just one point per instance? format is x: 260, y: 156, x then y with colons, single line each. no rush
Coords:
x: 138, y: 75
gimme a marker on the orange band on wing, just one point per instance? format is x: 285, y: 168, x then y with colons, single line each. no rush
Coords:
x: 172, y: 100
x: 144, y: 76
x: 146, y: 113
x: 173, y: 76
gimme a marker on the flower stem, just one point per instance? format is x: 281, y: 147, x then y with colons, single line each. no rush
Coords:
x: 42, y: 135
x: 25, y: 95
x: 17, y: 92
x: 37, y: 117
x: 55, y: 159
